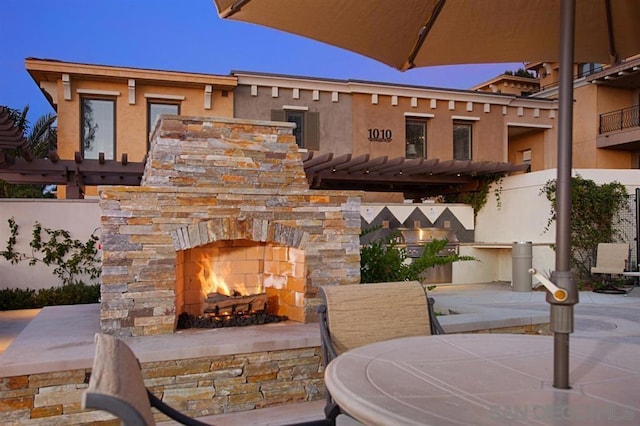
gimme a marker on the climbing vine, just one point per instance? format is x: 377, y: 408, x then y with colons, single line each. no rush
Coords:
x: 478, y: 198
x: 594, y: 218
x: 71, y: 258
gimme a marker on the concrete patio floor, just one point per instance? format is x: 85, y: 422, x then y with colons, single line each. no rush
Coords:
x: 52, y: 338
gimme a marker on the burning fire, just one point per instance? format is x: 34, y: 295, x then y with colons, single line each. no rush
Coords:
x: 225, y: 277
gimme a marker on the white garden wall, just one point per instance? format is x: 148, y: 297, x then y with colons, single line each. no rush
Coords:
x: 522, y: 215
x: 79, y: 217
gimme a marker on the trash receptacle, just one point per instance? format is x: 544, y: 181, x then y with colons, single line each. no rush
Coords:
x: 521, y: 256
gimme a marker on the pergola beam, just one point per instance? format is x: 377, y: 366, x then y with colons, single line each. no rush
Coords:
x: 414, y: 177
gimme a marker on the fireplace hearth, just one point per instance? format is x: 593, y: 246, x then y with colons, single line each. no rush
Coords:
x: 223, y: 203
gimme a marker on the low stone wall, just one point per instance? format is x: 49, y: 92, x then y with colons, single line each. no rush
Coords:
x: 201, y: 373
x: 197, y: 387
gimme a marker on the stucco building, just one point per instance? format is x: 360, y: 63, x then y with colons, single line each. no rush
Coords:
x: 106, y: 111
x: 606, y: 130
x: 380, y: 119
x: 110, y: 110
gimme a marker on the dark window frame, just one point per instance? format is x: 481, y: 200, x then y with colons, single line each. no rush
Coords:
x: 298, y: 132
x: 421, y: 145
x: 308, y: 134
x: 150, y: 103
x: 113, y: 101
x: 588, y: 68
x: 469, y: 149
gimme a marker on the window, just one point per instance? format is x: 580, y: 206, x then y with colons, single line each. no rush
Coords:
x: 298, y: 118
x: 156, y: 108
x: 98, y: 128
x: 585, y: 69
x: 461, y: 141
x: 307, y: 131
x: 416, y: 138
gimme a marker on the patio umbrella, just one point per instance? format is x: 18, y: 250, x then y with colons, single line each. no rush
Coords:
x: 415, y: 33
x: 407, y: 33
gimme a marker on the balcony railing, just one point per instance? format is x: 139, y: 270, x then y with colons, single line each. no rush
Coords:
x: 621, y: 119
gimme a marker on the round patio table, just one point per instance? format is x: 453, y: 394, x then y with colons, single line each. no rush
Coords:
x: 486, y: 379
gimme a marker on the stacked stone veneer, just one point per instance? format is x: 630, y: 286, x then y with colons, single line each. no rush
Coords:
x: 197, y: 387
x: 208, y: 180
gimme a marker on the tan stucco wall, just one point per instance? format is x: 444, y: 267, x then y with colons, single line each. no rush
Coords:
x: 382, y: 116
x: 611, y: 99
x: 585, y: 128
x: 591, y: 101
x: 335, y: 117
x: 489, y: 129
x: 350, y: 111
x: 534, y: 142
x: 131, y: 119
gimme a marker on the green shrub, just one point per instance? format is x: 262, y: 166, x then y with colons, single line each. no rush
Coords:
x: 383, y: 260
x: 72, y: 260
x: 17, y: 298
x: 68, y: 294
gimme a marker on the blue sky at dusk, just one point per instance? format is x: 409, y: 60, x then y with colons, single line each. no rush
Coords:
x: 180, y: 35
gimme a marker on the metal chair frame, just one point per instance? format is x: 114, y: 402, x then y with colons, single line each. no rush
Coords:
x: 329, y: 350
x: 116, y: 386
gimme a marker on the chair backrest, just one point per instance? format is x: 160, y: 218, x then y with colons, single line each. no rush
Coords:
x: 116, y: 384
x: 611, y: 258
x: 360, y: 314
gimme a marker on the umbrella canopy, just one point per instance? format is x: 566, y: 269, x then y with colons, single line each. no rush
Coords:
x: 409, y: 33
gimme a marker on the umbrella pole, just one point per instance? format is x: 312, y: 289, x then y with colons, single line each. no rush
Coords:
x: 561, y: 316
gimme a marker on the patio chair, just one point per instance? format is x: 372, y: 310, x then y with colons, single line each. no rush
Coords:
x: 611, y: 259
x: 356, y: 315
x: 116, y: 386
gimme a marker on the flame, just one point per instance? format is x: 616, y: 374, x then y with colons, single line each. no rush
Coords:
x: 217, y: 276
x: 211, y: 281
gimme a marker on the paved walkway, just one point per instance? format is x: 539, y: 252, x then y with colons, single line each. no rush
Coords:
x: 12, y: 323
x: 606, y: 316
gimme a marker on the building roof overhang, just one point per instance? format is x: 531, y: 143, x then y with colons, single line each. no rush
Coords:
x: 625, y: 75
x: 48, y: 72
x: 42, y: 69
x: 362, y: 87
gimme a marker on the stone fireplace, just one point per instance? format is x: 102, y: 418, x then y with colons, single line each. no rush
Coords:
x: 223, y: 207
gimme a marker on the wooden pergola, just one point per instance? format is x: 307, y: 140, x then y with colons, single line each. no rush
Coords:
x: 18, y: 166
x: 415, y: 178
